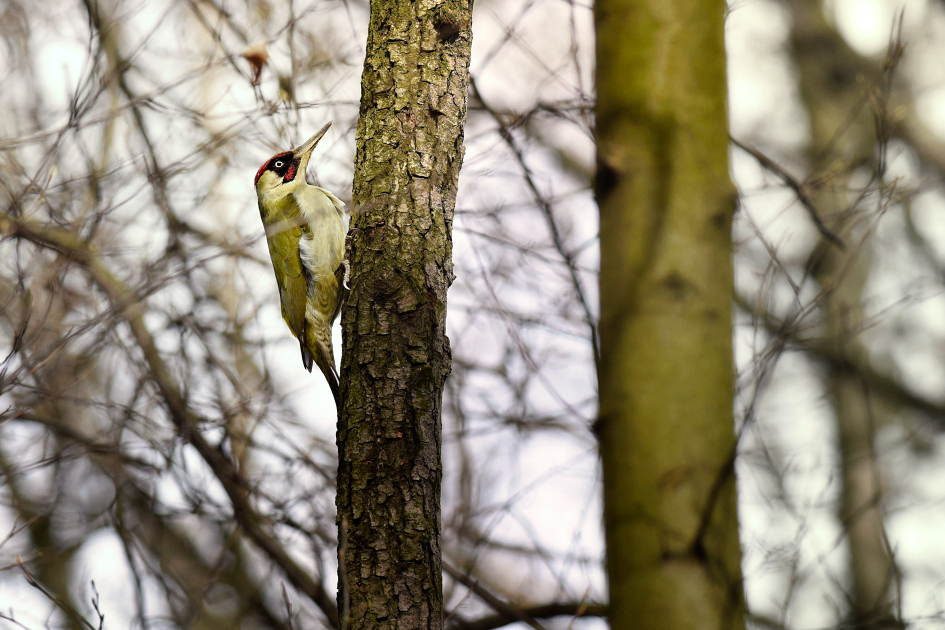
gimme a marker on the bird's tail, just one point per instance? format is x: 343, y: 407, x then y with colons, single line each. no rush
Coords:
x: 316, y: 346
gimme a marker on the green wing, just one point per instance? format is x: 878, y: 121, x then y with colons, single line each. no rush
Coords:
x: 283, y: 238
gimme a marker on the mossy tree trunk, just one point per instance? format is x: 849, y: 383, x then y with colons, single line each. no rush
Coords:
x: 666, y: 372
x: 396, y: 355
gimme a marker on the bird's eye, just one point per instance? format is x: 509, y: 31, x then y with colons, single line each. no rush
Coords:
x: 278, y: 164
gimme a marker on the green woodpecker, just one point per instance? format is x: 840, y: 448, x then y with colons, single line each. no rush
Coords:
x: 306, y: 228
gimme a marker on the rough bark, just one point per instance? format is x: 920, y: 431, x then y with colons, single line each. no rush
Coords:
x: 396, y: 354
x: 666, y: 375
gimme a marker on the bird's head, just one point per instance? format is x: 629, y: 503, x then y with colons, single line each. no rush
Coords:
x: 285, y: 171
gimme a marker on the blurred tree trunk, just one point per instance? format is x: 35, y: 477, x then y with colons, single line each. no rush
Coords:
x: 61, y: 376
x: 843, y: 139
x: 666, y: 375
x: 396, y: 354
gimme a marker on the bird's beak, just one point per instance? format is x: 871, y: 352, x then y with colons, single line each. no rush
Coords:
x: 304, y: 152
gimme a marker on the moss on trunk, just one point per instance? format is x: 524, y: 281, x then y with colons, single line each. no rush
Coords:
x: 396, y: 355
x: 666, y: 373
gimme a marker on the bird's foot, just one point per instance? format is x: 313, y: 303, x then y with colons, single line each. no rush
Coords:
x: 343, y: 273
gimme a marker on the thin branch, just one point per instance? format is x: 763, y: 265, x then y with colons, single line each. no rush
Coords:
x: 127, y: 306
x: 548, y: 212
x: 509, y: 613
x: 879, y: 383
x: 574, y: 610
x: 799, y: 189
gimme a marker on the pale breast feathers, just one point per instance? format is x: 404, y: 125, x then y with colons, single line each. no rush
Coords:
x: 322, y: 243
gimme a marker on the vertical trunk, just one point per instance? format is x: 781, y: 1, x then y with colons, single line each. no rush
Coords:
x: 396, y: 354
x: 832, y: 88
x: 666, y: 374
x: 60, y: 375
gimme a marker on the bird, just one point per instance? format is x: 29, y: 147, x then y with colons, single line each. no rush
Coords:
x: 306, y: 228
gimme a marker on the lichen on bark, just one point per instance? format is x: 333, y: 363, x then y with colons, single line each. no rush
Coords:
x: 396, y: 355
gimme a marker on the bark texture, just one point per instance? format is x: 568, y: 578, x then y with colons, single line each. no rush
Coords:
x: 396, y: 354
x: 666, y: 373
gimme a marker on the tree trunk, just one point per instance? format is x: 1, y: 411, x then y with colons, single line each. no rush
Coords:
x: 833, y: 82
x: 666, y: 373
x: 396, y: 355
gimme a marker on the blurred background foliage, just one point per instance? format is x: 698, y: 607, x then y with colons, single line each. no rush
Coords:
x: 140, y: 333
